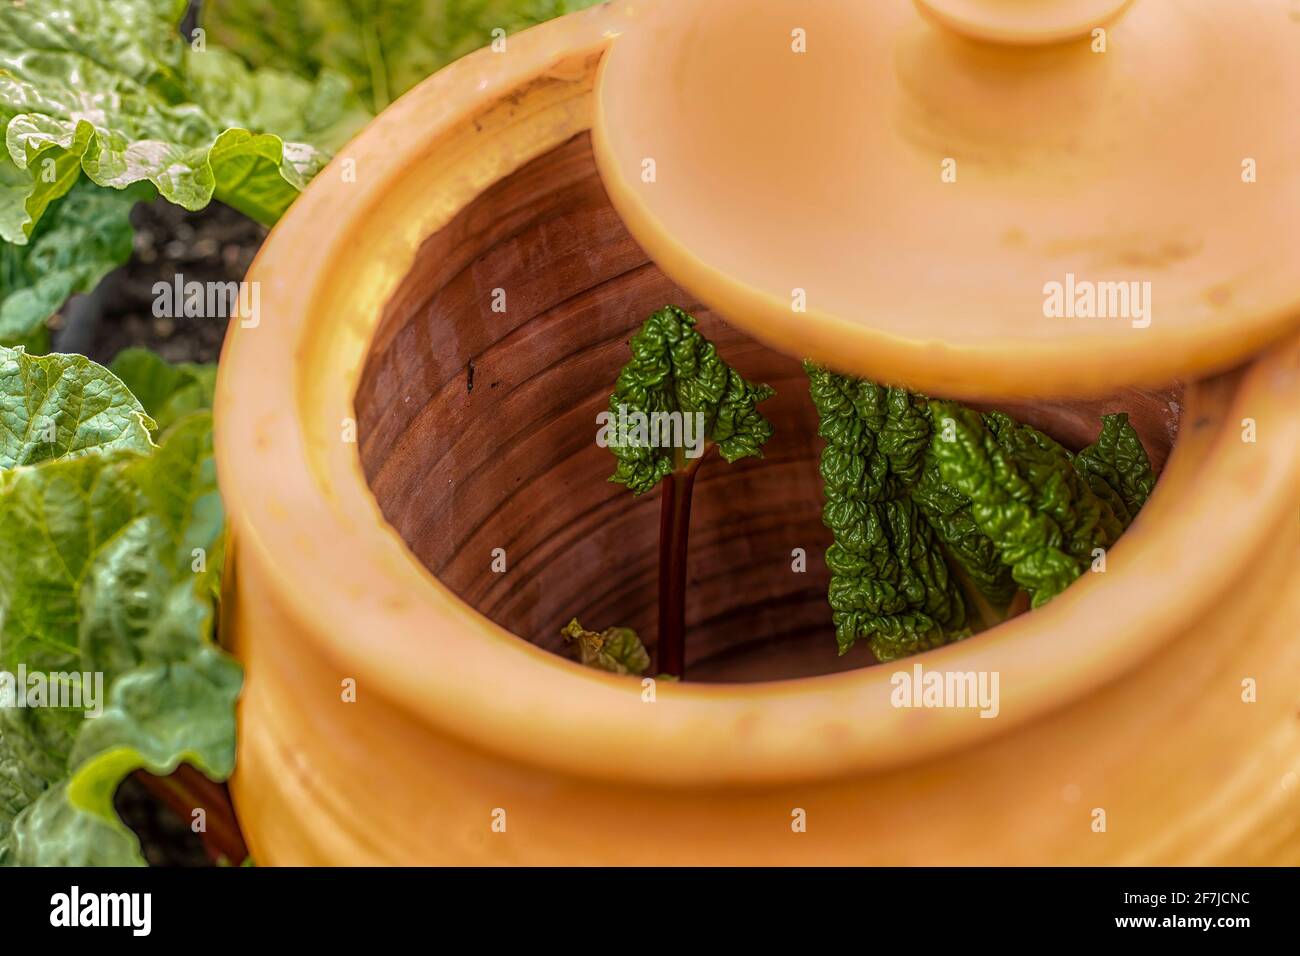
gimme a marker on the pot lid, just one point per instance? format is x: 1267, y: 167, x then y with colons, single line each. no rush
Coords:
x: 979, y: 198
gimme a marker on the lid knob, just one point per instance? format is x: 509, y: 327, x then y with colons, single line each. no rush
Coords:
x: 1021, y: 22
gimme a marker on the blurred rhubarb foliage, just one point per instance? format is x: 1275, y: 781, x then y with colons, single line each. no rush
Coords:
x: 97, y: 100
x: 81, y: 238
x: 384, y: 47
x: 111, y: 540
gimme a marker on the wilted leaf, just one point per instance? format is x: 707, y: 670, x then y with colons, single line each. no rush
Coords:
x: 616, y: 649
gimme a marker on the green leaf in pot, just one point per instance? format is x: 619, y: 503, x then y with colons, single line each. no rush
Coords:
x: 938, y: 510
x: 1026, y: 496
x: 1117, y: 468
x: 890, y: 581
x: 674, y: 369
x: 674, y: 401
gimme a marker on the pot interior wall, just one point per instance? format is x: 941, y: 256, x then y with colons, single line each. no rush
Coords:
x: 477, y: 425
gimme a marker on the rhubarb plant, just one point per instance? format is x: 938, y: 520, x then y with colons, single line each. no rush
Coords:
x: 104, y: 105
x: 111, y: 536
x: 80, y: 239
x: 942, y: 514
x: 112, y: 92
x: 673, y: 403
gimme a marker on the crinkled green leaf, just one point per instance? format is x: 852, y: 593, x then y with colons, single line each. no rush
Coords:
x: 105, y: 89
x: 167, y: 391
x: 675, y: 369
x: 889, y: 580
x: 1117, y: 468
x: 948, y: 511
x: 56, y: 406
x: 384, y: 47
x: 84, y: 236
x: 1026, y: 496
x: 616, y: 649
x: 107, y: 563
x: 935, y: 506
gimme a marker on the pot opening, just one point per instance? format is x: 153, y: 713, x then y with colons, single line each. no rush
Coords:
x: 477, y: 424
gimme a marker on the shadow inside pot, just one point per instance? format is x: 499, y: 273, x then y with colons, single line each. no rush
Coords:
x: 477, y: 430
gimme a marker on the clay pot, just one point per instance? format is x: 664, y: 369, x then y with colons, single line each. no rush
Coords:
x: 383, y: 430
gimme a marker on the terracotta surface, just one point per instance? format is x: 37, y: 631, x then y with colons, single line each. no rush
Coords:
x: 824, y: 171
x: 1124, y: 693
x: 1015, y: 22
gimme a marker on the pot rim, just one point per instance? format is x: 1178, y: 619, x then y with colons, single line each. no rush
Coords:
x: 302, y: 512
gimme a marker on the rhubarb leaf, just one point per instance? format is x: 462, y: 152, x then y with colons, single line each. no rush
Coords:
x: 106, y: 89
x: 107, y: 566
x: 948, y: 511
x: 676, y: 371
x: 64, y: 406
x: 325, y: 112
x: 384, y: 47
x: 934, y: 507
x: 157, y: 717
x: 1116, y: 467
x: 167, y: 391
x: 889, y: 580
x: 82, y: 237
x: 1026, y: 496
x: 616, y: 649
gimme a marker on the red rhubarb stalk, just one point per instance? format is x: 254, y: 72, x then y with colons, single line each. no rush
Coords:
x: 674, y: 530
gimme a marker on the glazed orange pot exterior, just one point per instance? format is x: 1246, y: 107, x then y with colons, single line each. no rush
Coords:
x: 466, y: 744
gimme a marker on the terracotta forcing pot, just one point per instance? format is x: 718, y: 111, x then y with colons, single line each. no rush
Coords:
x: 385, y: 437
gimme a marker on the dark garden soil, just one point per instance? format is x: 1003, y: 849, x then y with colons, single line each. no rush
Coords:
x: 217, y: 244
x: 165, y: 838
